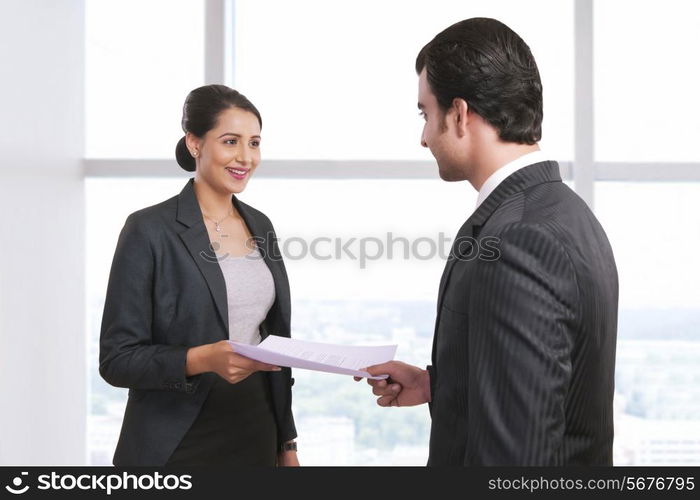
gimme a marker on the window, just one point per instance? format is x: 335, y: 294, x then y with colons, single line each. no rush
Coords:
x: 646, y: 81
x: 337, y: 80
x: 654, y: 229
x: 344, y: 299
x: 336, y: 88
x: 142, y: 58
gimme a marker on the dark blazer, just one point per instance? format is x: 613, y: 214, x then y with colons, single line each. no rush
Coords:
x: 524, y: 349
x: 167, y: 293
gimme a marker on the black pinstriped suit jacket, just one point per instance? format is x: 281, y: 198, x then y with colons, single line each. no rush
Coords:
x: 167, y: 293
x: 524, y: 349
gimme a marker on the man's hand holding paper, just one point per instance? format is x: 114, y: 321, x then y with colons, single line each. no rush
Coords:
x: 331, y: 358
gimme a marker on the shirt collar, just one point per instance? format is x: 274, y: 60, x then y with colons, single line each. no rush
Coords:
x: 502, y: 173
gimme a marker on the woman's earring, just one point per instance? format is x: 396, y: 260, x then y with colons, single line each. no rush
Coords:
x: 195, y: 153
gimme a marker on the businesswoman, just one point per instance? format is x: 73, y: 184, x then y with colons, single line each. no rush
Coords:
x: 189, y: 274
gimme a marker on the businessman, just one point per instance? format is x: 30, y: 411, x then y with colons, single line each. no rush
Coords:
x: 523, y: 353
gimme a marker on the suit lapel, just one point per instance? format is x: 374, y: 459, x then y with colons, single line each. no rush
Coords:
x: 196, y: 239
x: 465, y: 232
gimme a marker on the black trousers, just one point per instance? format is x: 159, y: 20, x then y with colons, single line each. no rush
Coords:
x: 235, y: 427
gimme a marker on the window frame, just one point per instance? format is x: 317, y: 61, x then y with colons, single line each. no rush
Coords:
x: 583, y: 170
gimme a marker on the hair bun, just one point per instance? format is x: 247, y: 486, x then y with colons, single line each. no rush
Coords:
x: 183, y: 156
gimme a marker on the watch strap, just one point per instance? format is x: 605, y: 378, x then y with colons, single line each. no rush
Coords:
x: 291, y: 446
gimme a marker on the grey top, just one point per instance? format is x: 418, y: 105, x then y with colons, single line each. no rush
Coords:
x: 251, y: 292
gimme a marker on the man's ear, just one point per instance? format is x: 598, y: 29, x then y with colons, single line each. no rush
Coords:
x: 460, y: 110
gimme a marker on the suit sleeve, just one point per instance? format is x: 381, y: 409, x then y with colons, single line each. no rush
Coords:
x: 522, y: 319
x: 128, y: 357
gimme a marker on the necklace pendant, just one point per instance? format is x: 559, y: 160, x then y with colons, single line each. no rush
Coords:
x: 218, y: 229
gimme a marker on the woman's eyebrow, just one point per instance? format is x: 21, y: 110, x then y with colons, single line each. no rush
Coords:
x: 237, y: 135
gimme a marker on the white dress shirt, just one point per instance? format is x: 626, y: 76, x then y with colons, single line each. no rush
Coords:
x: 500, y: 175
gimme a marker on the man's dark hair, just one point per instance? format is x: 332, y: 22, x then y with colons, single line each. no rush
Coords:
x: 487, y: 64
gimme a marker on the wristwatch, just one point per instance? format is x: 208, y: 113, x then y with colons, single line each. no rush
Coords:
x: 291, y: 446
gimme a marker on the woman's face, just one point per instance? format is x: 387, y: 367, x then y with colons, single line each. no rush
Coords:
x: 229, y: 153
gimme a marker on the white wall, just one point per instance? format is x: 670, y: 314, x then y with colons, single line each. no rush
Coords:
x: 42, y: 309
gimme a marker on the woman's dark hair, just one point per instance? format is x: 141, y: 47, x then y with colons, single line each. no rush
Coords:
x: 487, y: 64
x: 201, y: 112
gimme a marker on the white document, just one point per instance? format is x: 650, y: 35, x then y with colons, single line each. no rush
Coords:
x: 332, y: 358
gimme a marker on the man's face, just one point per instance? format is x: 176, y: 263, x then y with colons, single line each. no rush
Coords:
x: 438, y: 135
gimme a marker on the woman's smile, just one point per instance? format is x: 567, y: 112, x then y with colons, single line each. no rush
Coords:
x: 237, y: 172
